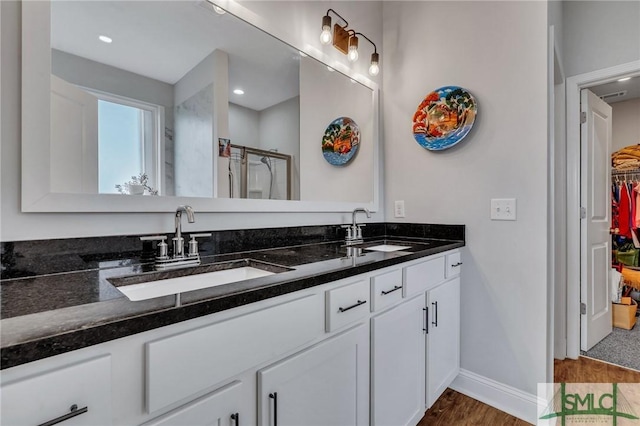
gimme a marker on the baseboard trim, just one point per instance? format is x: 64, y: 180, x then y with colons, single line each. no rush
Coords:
x: 503, y: 397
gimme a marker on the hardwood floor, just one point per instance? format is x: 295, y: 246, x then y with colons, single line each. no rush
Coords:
x: 454, y: 408
x: 588, y: 370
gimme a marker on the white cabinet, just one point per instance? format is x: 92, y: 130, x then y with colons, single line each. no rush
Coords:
x: 224, y: 407
x: 347, y: 304
x: 443, y: 338
x: 386, y: 289
x: 325, y: 385
x: 185, y: 364
x: 76, y: 394
x: 398, y: 365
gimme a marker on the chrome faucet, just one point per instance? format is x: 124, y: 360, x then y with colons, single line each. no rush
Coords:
x: 178, y: 241
x: 354, y: 231
x: 179, y: 259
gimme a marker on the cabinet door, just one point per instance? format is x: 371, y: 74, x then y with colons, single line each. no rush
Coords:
x: 220, y: 408
x: 443, y: 338
x: 325, y: 385
x: 398, y: 365
x: 77, y: 394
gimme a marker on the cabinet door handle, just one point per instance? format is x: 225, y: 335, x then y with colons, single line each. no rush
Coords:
x: 236, y: 418
x: 426, y: 320
x: 395, y: 288
x: 360, y: 302
x: 435, y: 313
x: 456, y: 265
x: 274, y: 396
x: 73, y: 411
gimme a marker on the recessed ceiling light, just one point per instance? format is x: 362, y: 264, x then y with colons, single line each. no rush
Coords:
x: 624, y: 79
x: 238, y: 92
x: 219, y: 10
x: 330, y: 69
x: 105, y: 39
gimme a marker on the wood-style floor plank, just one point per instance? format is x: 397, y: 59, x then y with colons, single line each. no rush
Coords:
x: 589, y: 370
x: 453, y: 408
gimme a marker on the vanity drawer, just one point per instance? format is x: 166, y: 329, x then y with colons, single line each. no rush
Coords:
x: 347, y: 304
x: 185, y: 364
x: 48, y: 396
x: 454, y: 263
x: 386, y: 289
x: 421, y: 277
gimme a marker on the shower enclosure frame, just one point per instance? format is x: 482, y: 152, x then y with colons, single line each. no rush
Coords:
x: 244, y: 167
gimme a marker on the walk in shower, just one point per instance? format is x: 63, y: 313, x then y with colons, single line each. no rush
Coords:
x: 259, y: 174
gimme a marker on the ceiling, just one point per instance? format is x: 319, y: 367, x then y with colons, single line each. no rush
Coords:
x: 631, y: 87
x: 163, y: 40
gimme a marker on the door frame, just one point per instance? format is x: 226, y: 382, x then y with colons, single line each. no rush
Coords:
x: 574, y: 85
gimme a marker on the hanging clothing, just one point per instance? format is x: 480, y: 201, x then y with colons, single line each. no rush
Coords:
x: 624, y: 211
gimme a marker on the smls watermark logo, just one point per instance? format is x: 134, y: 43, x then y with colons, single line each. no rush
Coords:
x: 588, y: 404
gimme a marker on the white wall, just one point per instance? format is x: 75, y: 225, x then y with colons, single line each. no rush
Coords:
x: 244, y: 126
x: 626, y: 123
x: 15, y: 225
x: 498, y: 51
x: 599, y: 34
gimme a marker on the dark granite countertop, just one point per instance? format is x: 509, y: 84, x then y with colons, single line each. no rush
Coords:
x: 50, y: 314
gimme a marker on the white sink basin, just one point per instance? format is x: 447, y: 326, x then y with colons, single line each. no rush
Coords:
x: 165, y: 287
x: 388, y: 247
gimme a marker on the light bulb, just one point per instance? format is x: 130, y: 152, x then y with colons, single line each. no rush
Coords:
x: 325, y: 35
x: 374, y: 69
x: 353, y: 54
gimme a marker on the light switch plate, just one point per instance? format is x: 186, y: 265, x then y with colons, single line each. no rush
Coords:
x: 503, y: 209
x: 398, y: 210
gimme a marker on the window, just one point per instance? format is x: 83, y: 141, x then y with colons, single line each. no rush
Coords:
x: 129, y: 142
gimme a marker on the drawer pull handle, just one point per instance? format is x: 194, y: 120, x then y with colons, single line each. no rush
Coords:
x: 73, y: 411
x: 426, y: 320
x: 456, y: 265
x: 395, y: 288
x: 360, y: 302
x: 236, y: 418
x: 274, y: 396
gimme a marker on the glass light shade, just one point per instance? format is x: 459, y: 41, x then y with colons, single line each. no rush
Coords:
x: 374, y: 69
x: 353, y: 54
x: 325, y: 35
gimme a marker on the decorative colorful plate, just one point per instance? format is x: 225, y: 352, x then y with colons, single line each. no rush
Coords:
x: 341, y: 141
x: 444, y: 118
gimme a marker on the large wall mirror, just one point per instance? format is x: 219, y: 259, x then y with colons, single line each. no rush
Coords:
x: 199, y: 106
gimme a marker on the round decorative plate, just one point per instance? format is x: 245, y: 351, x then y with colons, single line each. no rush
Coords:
x: 444, y: 118
x: 341, y: 141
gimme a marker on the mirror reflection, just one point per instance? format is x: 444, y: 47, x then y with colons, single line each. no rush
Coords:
x: 144, y: 96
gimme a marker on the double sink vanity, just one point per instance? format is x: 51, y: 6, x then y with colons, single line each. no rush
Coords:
x: 320, y: 332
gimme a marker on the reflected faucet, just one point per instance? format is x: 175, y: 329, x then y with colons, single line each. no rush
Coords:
x: 178, y: 241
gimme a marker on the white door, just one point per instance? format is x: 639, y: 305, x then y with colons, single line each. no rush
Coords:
x: 398, y: 370
x: 595, y: 199
x: 325, y: 385
x: 74, y: 139
x: 443, y: 338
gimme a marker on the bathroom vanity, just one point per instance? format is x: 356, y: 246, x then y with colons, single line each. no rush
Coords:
x: 371, y: 338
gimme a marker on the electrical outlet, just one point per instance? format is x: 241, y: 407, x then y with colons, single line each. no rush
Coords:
x: 398, y: 210
x: 503, y: 209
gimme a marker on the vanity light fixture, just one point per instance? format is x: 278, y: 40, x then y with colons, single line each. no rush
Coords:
x: 238, y: 91
x: 346, y: 40
x: 105, y: 39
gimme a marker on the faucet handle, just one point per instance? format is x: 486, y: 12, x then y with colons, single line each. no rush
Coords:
x: 193, y: 243
x: 163, y: 249
x: 349, y: 233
